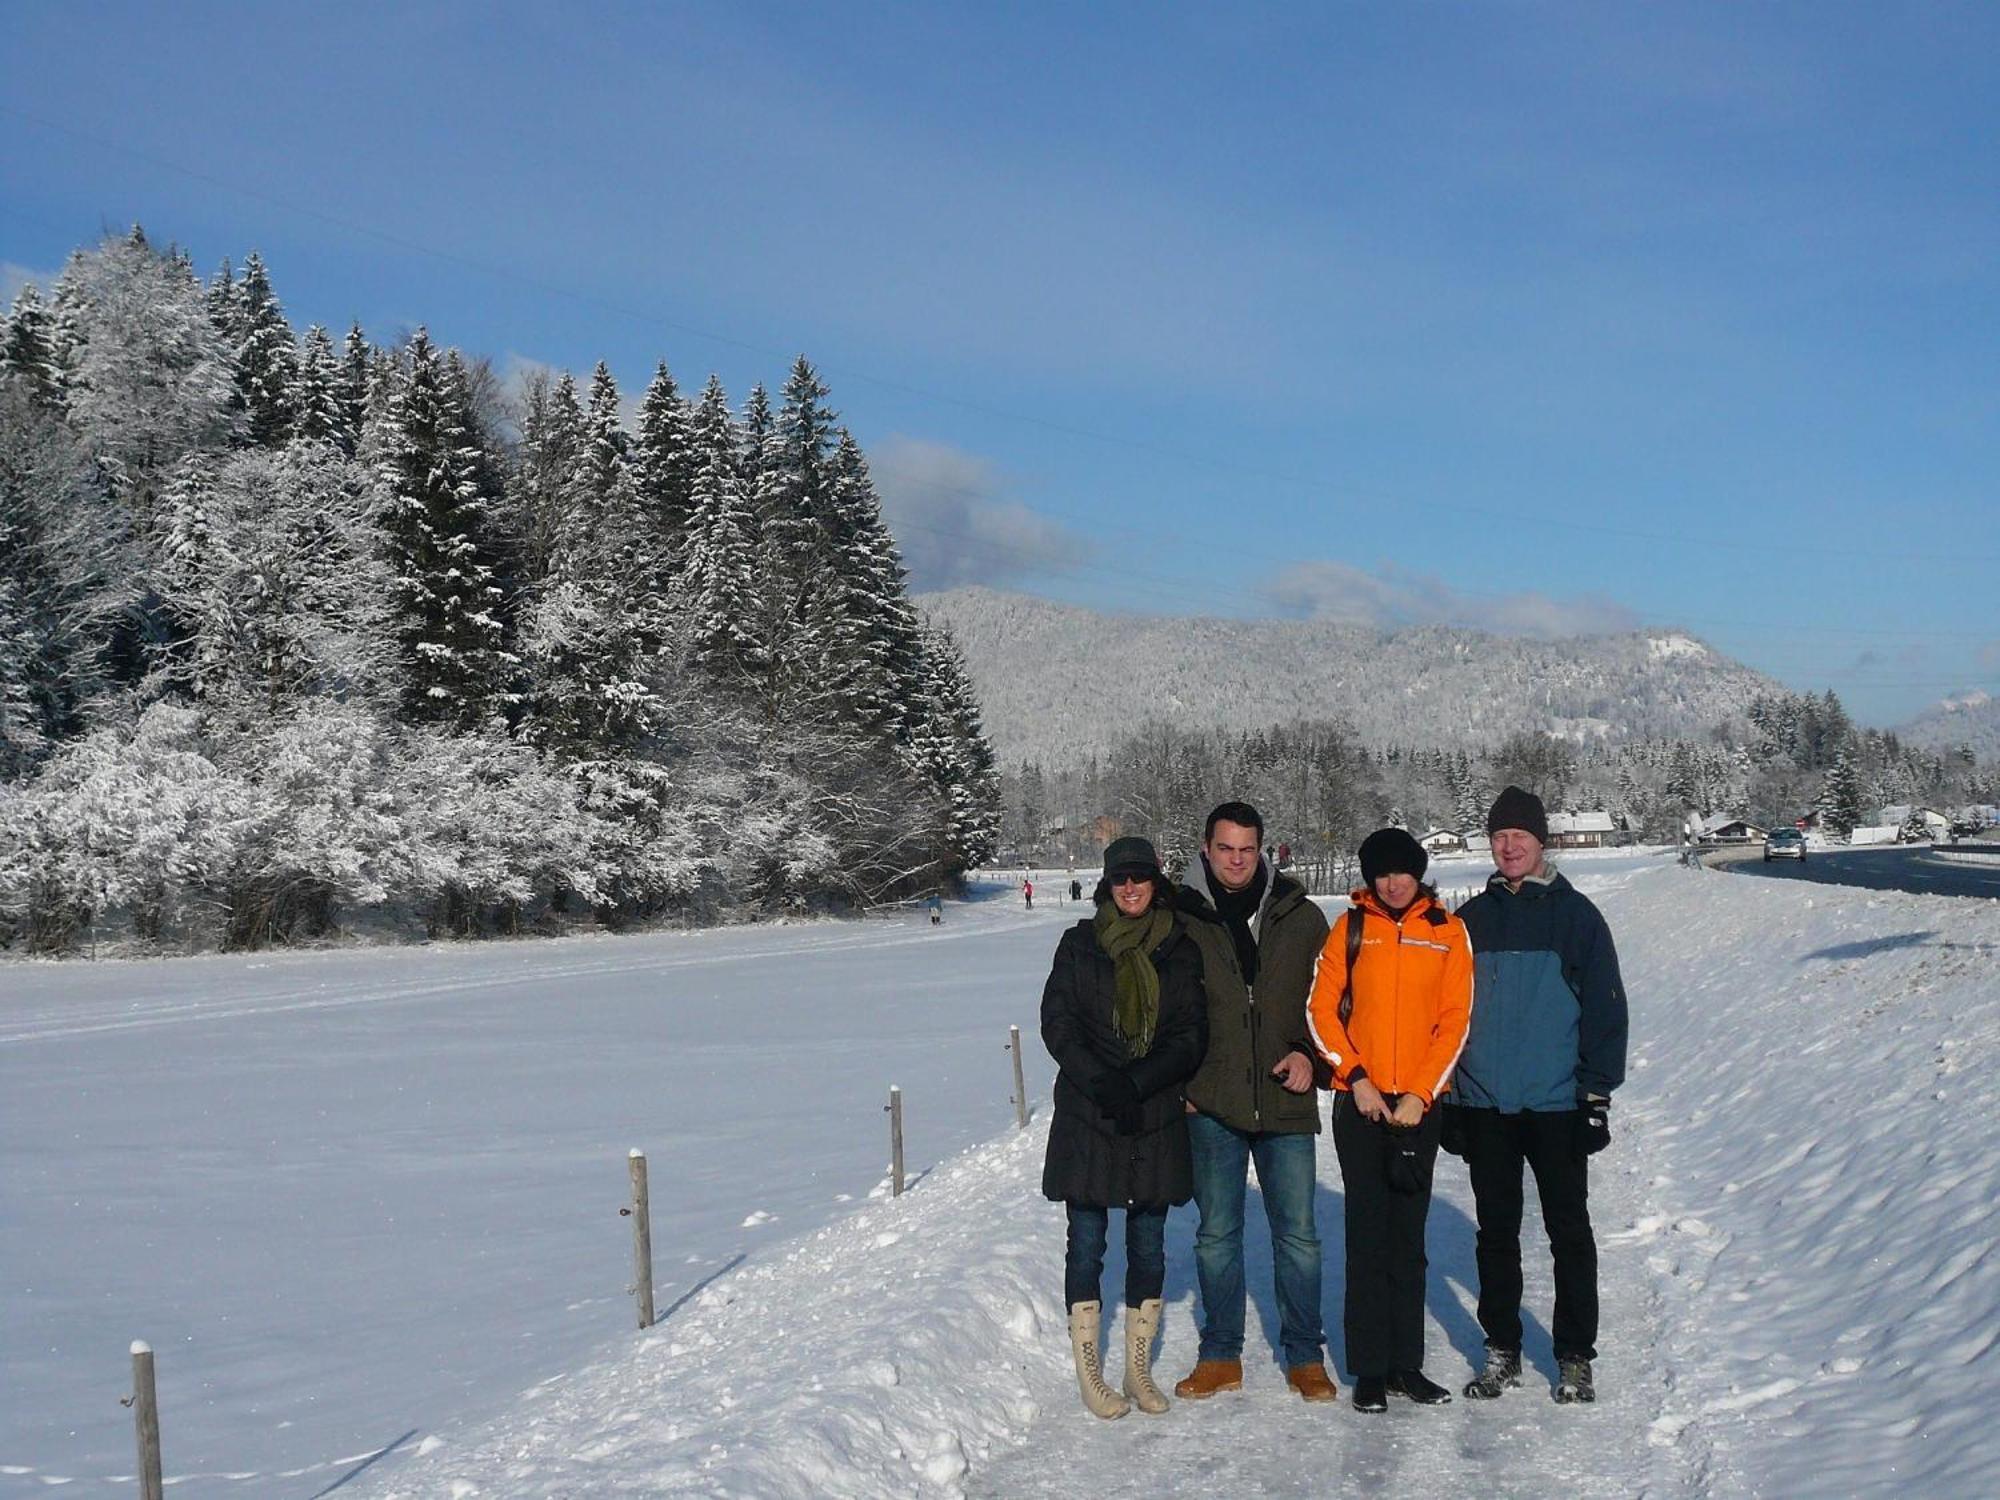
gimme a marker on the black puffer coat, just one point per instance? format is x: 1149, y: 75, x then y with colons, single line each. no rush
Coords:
x: 1089, y: 1162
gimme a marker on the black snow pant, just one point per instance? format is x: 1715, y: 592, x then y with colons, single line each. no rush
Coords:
x: 1496, y: 1148
x: 1384, y: 1317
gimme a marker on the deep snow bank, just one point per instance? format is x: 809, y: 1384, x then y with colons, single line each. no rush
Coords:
x: 882, y: 1355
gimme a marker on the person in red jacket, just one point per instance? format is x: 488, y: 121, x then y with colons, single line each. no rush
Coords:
x: 1391, y: 1026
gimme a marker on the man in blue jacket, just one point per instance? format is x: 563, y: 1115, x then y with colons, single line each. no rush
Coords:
x: 1533, y: 1087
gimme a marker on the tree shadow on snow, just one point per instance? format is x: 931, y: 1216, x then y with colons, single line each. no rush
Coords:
x: 1869, y: 946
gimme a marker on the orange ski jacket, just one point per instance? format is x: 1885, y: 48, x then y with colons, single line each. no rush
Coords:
x: 1412, y: 998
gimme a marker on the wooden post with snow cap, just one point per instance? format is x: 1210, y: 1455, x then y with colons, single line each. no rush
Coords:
x: 641, y: 1210
x: 1020, y: 1086
x: 145, y: 1404
x: 895, y: 1142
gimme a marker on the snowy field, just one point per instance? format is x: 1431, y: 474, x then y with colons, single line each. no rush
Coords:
x: 370, y: 1199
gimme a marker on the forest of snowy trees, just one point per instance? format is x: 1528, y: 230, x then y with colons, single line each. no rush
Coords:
x: 294, y: 629
x: 1322, y: 788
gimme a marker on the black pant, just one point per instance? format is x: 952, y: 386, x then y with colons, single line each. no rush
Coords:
x: 1496, y: 1147
x: 1384, y: 1317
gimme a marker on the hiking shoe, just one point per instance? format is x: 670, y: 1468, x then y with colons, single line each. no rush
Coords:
x: 1503, y: 1369
x: 1418, y: 1387
x: 1312, y: 1382
x: 1209, y: 1376
x: 1371, y: 1393
x: 1573, y: 1382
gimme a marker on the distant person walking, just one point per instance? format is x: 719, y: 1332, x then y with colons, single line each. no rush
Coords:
x: 1545, y: 1049
x: 1253, y: 1100
x: 1028, y: 892
x: 1122, y: 1015
x: 1076, y: 890
x: 936, y: 905
x: 1389, y: 1012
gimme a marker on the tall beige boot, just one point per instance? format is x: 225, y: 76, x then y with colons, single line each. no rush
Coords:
x: 1098, y: 1397
x: 1142, y: 1326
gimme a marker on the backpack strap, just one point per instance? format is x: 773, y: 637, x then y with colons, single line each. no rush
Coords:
x: 1353, y: 952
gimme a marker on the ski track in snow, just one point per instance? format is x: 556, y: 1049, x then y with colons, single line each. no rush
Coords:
x: 1796, y: 1222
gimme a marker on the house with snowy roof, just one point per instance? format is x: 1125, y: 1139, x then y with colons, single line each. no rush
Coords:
x: 1591, y: 829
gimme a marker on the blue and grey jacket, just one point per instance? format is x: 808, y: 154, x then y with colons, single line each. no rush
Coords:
x: 1548, y: 1008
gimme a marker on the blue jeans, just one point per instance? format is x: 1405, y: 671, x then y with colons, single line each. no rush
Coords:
x: 1285, y: 1176
x: 1145, y: 1253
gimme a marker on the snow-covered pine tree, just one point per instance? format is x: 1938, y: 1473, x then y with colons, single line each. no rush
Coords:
x: 1839, y: 801
x: 27, y: 347
x: 266, y: 357
x: 446, y: 604
x: 718, y: 584
x: 595, y: 623
x: 949, y: 750
x: 352, y: 385
x: 872, y: 650
x: 320, y: 411
x: 663, y: 465
x: 541, y: 482
x: 225, y: 306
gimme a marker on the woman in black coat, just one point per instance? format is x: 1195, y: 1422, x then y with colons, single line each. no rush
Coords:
x: 1124, y: 1018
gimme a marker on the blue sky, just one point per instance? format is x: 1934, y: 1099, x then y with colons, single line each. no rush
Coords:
x: 1527, y: 316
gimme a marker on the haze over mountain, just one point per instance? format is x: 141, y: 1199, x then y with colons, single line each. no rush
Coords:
x: 1057, y: 682
x: 1971, y: 719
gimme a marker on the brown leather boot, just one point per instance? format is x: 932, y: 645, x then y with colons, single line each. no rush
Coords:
x: 1312, y: 1382
x: 1209, y: 1376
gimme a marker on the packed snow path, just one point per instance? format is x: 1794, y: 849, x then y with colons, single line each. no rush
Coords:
x: 1797, y: 1221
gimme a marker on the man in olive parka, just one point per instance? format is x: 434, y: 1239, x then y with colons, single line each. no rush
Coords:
x: 1254, y: 1099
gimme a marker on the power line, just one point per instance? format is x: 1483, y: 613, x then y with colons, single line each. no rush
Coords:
x: 1509, y: 516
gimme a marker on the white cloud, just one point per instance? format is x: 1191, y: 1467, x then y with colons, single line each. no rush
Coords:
x: 944, y: 507
x: 13, y: 278
x: 1392, y: 598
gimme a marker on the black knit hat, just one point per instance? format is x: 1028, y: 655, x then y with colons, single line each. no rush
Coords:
x: 1131, y: 855
x: 1391, y: 851
x: 1515, y: 808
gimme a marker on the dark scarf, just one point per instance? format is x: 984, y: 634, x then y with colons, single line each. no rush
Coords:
x: 1135, y: 986
x: 1237, y: 908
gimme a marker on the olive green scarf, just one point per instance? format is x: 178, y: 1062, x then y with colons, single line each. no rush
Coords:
x: 1135, y: 1004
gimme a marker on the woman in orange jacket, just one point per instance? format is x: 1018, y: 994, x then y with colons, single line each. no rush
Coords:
x: 1391, y: 1000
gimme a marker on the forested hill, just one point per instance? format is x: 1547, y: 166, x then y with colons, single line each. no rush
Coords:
x: 1057, y: 682
x: 1970, y: 722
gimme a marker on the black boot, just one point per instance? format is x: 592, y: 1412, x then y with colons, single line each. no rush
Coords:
x: 1573, y: 1382
x: 1371, y: 1393
x: 1503, y: 1369
x: 1418, y: 1387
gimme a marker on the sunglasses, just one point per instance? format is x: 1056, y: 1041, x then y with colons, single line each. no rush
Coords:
x: 1126, y: 877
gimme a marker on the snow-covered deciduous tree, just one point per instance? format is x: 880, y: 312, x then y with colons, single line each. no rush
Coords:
x: 147, y: 378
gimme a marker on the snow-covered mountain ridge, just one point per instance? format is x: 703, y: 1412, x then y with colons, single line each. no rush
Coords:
x: 1970, y: 719
x: 1058, y: 681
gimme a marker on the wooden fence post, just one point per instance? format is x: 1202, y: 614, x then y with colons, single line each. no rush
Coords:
x: 642, y: 1237
x: 895, y: 1142
x: 1020, y: 1087
x: 145, y: 1403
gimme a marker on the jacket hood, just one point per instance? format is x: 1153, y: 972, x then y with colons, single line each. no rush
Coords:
x: 1533, y: 887
x: 1196, y: 899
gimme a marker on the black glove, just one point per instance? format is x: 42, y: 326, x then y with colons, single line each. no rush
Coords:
x: 1451, y: 1129
x: 1114, y: 1092
x: 1593, y: 1126
x: 1409, y: 1170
